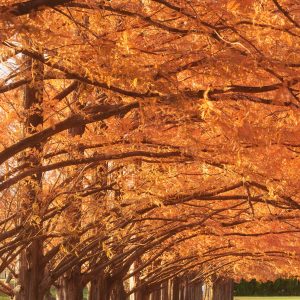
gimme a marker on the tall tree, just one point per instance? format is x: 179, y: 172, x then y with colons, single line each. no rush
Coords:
x: 31, y: 264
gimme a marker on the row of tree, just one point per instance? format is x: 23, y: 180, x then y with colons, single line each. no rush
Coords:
x: 149, y: 148
x: 280, y: 287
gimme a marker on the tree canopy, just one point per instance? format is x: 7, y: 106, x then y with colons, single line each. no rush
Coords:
x: 147, y: 139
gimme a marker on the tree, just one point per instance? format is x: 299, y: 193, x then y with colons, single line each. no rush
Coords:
x: 203, y: 95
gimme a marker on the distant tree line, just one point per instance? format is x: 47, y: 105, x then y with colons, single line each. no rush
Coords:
x: 280, y: 287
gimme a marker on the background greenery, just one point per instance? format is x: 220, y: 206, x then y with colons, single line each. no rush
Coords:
x: 280, y: 287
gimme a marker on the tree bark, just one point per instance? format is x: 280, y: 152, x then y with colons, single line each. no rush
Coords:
x: 140, y: 294
x: 182, y: 289
x: 118, y: 291
x: 175, y: 288
x: 31, y: 266
x: 165, y: 290
x: 31, y: 271
x: 99, y: 289
x: 223, y: 289
x: 194, y: 291
x: 70, y: 285
x: 156, y: 293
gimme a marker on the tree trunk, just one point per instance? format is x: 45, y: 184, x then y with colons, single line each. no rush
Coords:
x: 175, y: 288
x: 208, y: 291
x: 99, y: 289
x: 118, y: 291
x: 223, y: 289
x: 198, y: 292
x: 31, y: 272
x: 156, y: 293
x: 182, y: 289
x: 70, y: 286
x: 194, y: 291
x: 140, y: 294
x: 165, y: 290
x: 31, y: 267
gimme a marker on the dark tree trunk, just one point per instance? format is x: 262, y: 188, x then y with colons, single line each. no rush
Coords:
x: 31, y: 272
x: 175, y: 288
x: 118, y: 291
x: 140, y: 294
x: 182, y: 289
x: 156, y: 293
x: 165, y: 290
x: 194, y: 291
x: 31, y: 266
x: 146, y: 296
x: 99, y: 289
x: 223, y: 289
x: 70, y: 286
x: 198, y: 292
x: 185, y: 289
